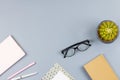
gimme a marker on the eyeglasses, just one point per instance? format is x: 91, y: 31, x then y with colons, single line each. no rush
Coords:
x: 80, y: 46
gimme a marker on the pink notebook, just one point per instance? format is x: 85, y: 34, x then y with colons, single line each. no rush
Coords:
x: 10, y: 53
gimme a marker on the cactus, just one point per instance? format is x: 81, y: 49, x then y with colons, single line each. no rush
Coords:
x: 107, y: 31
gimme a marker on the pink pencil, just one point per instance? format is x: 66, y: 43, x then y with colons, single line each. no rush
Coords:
x: 21, y: 70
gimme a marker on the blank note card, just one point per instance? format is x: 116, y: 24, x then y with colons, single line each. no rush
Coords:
x: 60, y: 76
x: 99, y: 69
x: 10, y: 53
x: 57, y: 73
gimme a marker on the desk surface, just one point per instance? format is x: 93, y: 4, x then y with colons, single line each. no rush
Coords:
x: 44, y: 27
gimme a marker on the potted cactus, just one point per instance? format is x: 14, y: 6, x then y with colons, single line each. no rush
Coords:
x: 107, y: 31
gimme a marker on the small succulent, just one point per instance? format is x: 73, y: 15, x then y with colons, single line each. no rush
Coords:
x: 107, y: 31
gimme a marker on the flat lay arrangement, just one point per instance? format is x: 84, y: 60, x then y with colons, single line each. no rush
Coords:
x: 59, y: 40
x: 97, y: 69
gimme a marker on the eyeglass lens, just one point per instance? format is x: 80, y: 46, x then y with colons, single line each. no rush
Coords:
x: 83, y: 47
x: 70, y: 52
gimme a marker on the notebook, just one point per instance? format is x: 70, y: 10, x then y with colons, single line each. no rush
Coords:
x: 99, y: 69
x: 57, y: 73
x: 10, y: 53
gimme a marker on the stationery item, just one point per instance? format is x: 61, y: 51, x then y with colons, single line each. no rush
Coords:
x: 21, y: 70
x: 10, y: 53
x: 57, y: 73
x: 60, y: 76
x: 25, y: 76
x: 99, y: 69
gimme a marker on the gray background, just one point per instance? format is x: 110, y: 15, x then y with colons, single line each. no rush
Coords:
x: 44, y: 27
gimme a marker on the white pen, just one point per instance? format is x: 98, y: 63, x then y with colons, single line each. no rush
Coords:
x: 21, y: 70
x: 24, y: 76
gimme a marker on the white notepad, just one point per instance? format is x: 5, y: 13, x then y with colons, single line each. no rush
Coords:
x: 60, y: 76
x: 57, y: 73
x: 10, y: 53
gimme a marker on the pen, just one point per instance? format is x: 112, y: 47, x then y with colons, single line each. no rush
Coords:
x: 25, y: 76
x: 21, y: 70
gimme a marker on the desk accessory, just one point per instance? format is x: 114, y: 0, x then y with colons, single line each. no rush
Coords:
x: 99, y: 69
x: 10, y: 53
x: 24, y: 76
x: 80, y: 46
x: 60, y: 76
x: 21, y: 70
x: 57, y: 73
x: 107, y: 31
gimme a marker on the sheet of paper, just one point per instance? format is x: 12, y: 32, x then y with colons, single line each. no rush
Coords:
x: 99, y: 69
x: 57, y: 73
x: 10, y: 53
x: 60, y: 76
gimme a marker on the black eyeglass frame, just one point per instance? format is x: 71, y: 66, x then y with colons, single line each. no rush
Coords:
x: 64, y: 51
